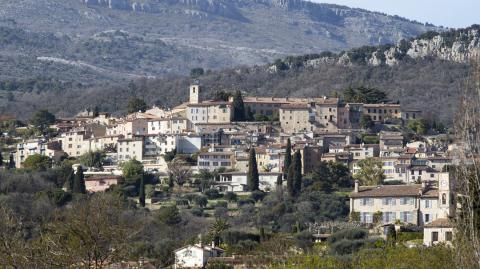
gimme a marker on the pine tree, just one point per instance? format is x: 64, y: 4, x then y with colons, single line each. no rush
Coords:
x: 141, y: 195
x: 79, y: 182
x: 252, y: 177
x: 11, y: 162
x: 297, y: 176
x: 238, y: 107
x: 288, y: 158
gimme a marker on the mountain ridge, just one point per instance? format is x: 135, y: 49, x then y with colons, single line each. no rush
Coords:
x: 212, y: 34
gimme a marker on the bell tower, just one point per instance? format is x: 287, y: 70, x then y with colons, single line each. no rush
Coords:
x: 446, y: 194
x: 194, y: 94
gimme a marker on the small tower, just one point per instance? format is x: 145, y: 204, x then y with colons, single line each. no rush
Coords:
x: 194, y: 94
x: 446, y: 197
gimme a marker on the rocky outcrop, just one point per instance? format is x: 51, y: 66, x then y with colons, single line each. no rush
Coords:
x: 459, y: 46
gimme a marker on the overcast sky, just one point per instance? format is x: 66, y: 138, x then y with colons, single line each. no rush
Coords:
x: 449, y: 13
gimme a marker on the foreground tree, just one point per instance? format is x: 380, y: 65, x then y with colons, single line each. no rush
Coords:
x: 467, y: 126
x: 252, y: 176
x: 91, y: 234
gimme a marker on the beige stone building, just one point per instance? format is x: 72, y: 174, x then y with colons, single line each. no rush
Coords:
x: 295, y: 118
x: 382, y: 112
x: 205, y: 112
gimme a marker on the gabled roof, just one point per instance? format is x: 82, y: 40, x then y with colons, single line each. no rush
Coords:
x: 440, y: 223
x: 387, y: 191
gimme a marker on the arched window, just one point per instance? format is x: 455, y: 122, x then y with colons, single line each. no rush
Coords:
x: 444, y: 199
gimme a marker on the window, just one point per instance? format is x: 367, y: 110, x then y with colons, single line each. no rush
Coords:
x: 434, y: 236
x: 427, y: 218
x: 406, y: 201
x: 444, y: 199
x: 448, y: 236
x: 428, y: 204
x: 388, y: 201
x: 366, y: 217
x: 388, y: 217
x: 366, y: 201
x: 406, y: 217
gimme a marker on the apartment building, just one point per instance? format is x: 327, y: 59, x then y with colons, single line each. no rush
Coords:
x: 130, y: 148
x: 172, y: 125
x: 214, y: 160
x: 27, y: 148
x: 129, y: 127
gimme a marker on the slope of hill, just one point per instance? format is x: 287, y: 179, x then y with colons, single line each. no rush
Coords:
x: 427, y: 77
x: 156, y: 37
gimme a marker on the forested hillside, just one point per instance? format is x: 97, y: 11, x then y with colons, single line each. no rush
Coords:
x: 425, y: 73
x: 431, y: 85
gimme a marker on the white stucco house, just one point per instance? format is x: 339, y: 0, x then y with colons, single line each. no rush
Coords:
x: 417, y: 204
x: 195, y: 256
x: 237, y: 181
x: 438, y: 231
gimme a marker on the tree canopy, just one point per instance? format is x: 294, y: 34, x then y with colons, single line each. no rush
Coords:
x: 136, y: 105
x: 364, y: 95
x: 37, y: 162
x: 371, y: 172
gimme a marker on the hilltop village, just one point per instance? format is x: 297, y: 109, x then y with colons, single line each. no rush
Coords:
x: 388, y: 165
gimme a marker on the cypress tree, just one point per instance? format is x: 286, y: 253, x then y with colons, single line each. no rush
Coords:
x: 141, y: 195
x: 280, y: 180
x: 290, y: 180
x: 70, y: 180
x: 288, y: 158
x: 238, y: 107
x: 11, y: 162
x: 1, y: 159
x: 252, y: 176
x: 297, y: 176
x: 79, y: 182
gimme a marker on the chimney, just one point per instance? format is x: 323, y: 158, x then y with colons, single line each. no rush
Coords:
x: 356, y: 186
x: 424, y: 185
x: 213, y: 244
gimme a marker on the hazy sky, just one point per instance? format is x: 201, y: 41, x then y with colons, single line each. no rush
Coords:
x: 449, y: 13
